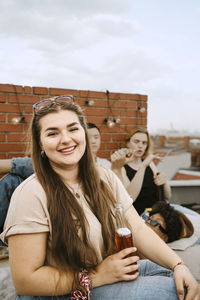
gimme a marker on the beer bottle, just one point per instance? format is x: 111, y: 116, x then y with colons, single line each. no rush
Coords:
x: 160, y: 191
x: 123, y: 236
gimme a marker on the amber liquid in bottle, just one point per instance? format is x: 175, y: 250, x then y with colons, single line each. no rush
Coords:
x: 123, y: 236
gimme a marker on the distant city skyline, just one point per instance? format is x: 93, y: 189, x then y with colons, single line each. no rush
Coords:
x: 175, y: 132
x: 132, y: 46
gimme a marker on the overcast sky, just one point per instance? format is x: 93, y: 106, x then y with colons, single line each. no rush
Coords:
x: 134, y: 46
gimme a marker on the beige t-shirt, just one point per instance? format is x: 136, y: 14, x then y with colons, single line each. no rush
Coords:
x: 28, y: 211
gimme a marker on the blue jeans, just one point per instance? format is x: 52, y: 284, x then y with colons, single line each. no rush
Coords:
x: 7, y: 186
x: 21, y: 168
x: 154, y: 282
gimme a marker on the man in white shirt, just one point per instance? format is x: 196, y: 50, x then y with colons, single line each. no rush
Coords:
x: 95, y: 143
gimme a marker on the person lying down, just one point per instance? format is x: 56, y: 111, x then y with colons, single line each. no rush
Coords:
x: 169, y: 223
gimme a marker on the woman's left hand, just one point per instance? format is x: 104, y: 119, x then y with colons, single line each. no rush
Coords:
x: 183, y: 278
x: 160, y: 179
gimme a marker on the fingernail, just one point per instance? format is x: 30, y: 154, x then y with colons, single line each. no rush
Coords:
x: 181, y: 297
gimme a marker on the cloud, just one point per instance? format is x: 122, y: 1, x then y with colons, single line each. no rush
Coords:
x: 122, y: 46
x: 56, y: 27
x: 60, y: 8
x: 65, y: 43
x: 27, y: 18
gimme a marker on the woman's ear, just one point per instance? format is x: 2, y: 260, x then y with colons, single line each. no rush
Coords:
x: 128, y: 144
x: 41, y: 147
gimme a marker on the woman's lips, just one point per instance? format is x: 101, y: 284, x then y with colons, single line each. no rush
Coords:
x: 68, y: 150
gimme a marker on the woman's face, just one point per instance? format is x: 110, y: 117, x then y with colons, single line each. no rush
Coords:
x: 158, y: 228
x: 138, y: 143
x: 62, y: 138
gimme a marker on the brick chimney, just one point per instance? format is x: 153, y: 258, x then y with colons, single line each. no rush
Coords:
x: 161, y: 140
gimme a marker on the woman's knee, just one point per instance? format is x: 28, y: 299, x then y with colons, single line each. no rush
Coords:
x: 149, y: 268
x: 145, y: 288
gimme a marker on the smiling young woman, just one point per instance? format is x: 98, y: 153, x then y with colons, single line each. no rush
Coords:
x: 61, y: 246
x: 62, y: 138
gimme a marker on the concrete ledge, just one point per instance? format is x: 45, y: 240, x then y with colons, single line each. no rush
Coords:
x: 177, y: 183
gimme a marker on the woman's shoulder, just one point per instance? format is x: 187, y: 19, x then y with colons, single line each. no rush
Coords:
x: 30, y: 181
x: 110, y: 177
x: 28, y: 195
x: 107, y: 175
x: 104, y: 172
x: 30, y: 186
x: 116, y: 186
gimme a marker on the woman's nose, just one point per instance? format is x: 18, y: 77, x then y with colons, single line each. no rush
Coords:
x: 65, y: 137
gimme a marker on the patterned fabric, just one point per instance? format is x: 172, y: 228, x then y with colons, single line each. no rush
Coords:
x: 85, y: 281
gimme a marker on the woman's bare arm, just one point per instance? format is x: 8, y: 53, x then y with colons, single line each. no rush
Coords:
x: 31, y: 277
x: 135, y: 184
x: 27, y: 253
x: 5, y: 165
x: 148, y: 242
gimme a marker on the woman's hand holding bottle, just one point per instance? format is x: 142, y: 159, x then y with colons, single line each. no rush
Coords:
x: 160, y: 179
x: 117, y: 267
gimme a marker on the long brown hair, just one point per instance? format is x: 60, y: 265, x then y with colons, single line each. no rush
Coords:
x: 69, y: 250
x: 139, y: 130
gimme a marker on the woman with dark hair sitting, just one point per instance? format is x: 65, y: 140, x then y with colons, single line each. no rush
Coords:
x: 169, y: 223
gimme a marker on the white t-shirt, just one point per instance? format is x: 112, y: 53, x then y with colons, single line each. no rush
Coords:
x: 104, y: 162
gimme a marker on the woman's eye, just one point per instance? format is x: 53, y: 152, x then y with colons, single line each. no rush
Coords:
x: 74, y: 129
x: 52, y: 133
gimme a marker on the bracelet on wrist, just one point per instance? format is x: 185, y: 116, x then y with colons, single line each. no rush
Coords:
x: 86, y: 282
x: 178, y: 264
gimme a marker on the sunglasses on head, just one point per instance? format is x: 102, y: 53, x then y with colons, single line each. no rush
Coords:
x: 154, y: 223
x: 48, y: 102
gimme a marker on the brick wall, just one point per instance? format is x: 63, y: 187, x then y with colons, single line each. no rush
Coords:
x: 16, y: 99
